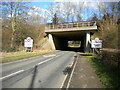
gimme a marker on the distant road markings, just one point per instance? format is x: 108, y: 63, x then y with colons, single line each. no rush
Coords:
x: 11, y: 74
x: 44, y: 61
x: 49, y: 55
x: 49, y: 59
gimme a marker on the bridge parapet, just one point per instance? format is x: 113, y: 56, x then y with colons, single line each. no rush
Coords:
x: 70, y: 25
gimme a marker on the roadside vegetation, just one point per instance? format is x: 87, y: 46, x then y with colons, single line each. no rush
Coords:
x: 17, y: 25
x: 108, y: 77
x: 108, y: 25
x: 14, y: 56
x: 106, y: 63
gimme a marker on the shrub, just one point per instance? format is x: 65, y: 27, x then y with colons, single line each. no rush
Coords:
x: 110, y: 57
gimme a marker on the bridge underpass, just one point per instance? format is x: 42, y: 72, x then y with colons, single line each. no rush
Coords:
x: 59, y: 37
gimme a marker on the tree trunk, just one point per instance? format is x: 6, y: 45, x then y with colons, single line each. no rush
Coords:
x: 12, y: 39
x: 13, y: 29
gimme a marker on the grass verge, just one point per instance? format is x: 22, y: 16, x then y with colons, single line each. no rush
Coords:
x: 8, y: 57
x: 108, y: 78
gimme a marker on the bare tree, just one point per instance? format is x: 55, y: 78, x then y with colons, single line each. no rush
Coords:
x: 15, y: 11
x: 108, y: 23
x: 78, y: 10
x: 68, y: 8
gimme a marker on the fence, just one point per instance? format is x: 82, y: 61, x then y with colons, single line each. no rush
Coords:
x: 70, y: 25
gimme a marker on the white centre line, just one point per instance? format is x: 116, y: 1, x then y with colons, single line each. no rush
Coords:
x: 49, y: 59
x: 11, y: 74
x: 45, y: 61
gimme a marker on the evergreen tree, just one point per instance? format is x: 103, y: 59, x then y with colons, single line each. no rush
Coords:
x: 55, y: 19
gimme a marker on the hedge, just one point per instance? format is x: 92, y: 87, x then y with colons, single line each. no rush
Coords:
x: 111, y: 57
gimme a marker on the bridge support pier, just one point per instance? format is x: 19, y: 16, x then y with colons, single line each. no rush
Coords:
x: 87, y: 46
x: 51, y: 42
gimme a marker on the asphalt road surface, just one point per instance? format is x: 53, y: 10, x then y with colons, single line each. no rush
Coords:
x: 45, y: 71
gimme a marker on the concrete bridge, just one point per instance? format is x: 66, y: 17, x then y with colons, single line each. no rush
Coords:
x: 60, y: 34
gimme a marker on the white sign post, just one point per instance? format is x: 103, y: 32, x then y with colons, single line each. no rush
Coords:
x: 96, y: 44
x: 28, y: 43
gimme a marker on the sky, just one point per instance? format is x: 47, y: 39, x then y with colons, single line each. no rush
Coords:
x: 44, y: 5
x: 41, y: 7
x: 87, y: 13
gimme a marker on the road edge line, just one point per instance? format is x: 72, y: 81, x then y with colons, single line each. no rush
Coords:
x: 64, y: 81
x: 66, y: 76
x: 71, y: 75
x: 11, y: 74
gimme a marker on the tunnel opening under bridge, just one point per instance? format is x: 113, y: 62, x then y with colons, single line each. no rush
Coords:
x: 61, y: 41
x: 74, y: 46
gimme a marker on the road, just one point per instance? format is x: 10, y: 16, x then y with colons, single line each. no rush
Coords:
x: 45, y: 71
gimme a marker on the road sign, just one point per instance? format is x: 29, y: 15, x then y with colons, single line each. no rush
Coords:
x: 28, y: 42
x: 96, y: 43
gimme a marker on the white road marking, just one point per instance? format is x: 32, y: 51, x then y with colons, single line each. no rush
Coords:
x: 71, y: 76
x: 49, y: 55
x: 45, y: 61
x: 63, y: 81
x: 57, y: 56
x: 70, y: 65
x: 11, y: 74
x: 49, y: 59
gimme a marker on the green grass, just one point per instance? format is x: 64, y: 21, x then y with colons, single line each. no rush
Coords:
x: 108, y: 78
x: 88, y: 54
x: 21, y: 55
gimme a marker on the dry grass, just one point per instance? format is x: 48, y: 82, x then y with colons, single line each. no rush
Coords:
x: 12, y: 56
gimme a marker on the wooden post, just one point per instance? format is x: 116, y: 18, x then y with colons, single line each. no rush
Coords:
x: 88, y: 23
x: 26, y: 49
x: 77, y: 25
x: 48, y: 26
x: 93, y: 51
x: 53, y: 26
x: 82, y: 24
x: 62, y: 26
x: 31, y: 49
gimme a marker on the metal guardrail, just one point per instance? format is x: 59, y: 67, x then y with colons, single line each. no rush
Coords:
x: 70, y: 25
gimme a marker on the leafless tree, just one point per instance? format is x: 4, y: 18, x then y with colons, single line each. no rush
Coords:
x: 108, y: 23
x: 15, y: 12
